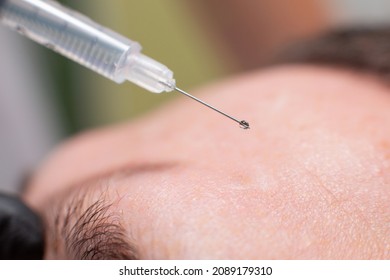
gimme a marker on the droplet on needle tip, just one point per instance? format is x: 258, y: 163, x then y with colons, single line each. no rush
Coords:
x: 244, y: 124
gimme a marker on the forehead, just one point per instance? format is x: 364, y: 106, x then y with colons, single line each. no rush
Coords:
x: 191, y: 184
x: 295, y: 113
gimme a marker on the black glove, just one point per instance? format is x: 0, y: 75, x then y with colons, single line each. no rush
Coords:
x: 21, y: 231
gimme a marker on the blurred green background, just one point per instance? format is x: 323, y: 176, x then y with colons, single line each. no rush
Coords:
x: 167, y: 30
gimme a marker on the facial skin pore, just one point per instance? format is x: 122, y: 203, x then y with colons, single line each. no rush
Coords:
x: 309, y: 180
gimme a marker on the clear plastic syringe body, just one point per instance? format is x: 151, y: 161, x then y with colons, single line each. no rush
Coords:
x: 77, y: 37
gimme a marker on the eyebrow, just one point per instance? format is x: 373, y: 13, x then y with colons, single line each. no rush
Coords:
x: 83, y: 230
x: 92, y: 232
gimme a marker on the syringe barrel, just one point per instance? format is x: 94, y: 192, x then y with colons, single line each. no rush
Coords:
x: 86, y: 42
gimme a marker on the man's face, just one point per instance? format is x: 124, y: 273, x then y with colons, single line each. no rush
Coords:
x: 310, y: 179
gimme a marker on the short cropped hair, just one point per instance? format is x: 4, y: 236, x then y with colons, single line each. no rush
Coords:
x: 361, y: 49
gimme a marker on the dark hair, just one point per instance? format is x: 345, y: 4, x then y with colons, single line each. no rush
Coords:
x: 361, y: 49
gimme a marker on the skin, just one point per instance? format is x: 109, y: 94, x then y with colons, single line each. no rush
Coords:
x: 309, y: 180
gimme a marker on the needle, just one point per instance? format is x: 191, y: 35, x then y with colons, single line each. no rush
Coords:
x: 243, y: 124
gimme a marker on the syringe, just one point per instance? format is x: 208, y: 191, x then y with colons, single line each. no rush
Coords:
x: 102, y: 50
